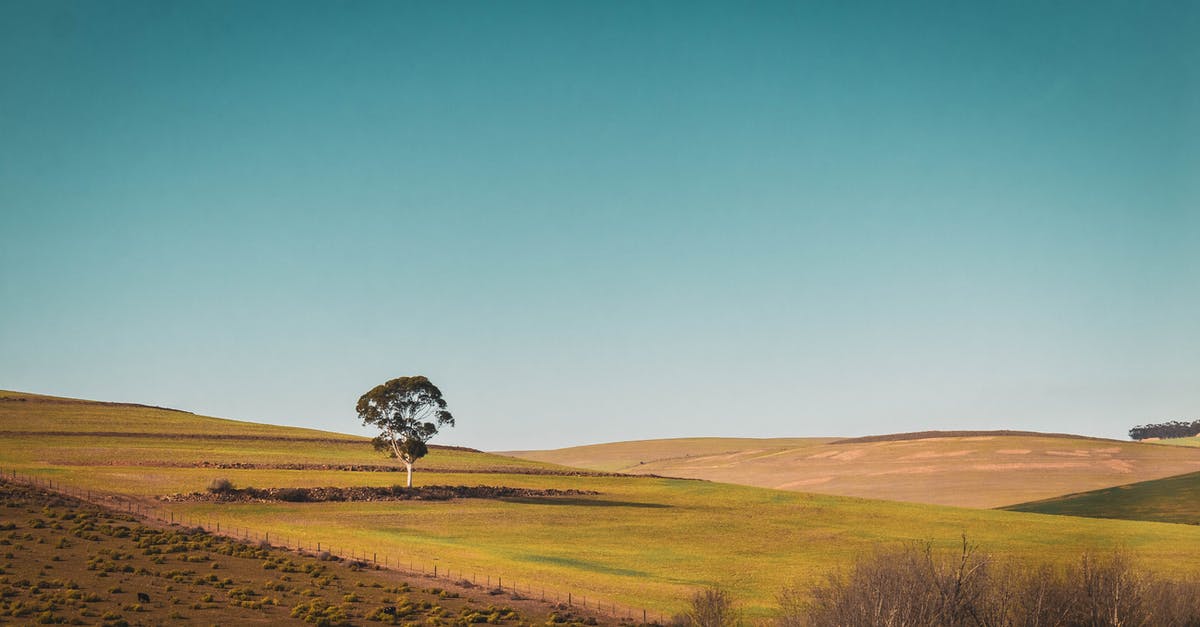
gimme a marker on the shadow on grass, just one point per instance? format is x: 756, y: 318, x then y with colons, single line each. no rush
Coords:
x: 585, y: 566
x: 553, y: 500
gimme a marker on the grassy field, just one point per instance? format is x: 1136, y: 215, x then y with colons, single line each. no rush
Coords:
x: 1174, y: 500
x: 1193, y: 442
x: 638, y: 541
x: 984, y: 470
x: 66, y: 561
x: 52, y: 431
x: 630, y: 456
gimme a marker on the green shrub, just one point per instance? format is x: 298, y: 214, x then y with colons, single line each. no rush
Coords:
x: 321, y: 613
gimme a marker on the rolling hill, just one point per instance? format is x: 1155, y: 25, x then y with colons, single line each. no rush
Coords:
x: 634, y: 540
x: 968, y: 469
x: 1173, y: 499
x: 1191, y: 442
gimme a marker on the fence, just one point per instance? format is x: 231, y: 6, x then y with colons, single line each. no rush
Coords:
x: 429, y: 568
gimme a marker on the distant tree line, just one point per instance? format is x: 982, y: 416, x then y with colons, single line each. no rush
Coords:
x: 1170, y: 429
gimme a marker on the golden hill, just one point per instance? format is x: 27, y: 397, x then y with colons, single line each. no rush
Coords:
x: 969, y: 469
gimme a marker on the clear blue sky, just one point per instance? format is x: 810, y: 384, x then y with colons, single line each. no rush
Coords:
x: 608, y: 220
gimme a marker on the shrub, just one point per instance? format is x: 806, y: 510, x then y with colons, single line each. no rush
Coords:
x: 918, y: 586
x: 220, y: 486
x: 321, y: 613
x: 712, y: 607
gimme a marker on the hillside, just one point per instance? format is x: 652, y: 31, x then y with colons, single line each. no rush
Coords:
x: 636, y: 541
x: 630, y: 456
x: 984, y: 469
x: 80, y: 564
x: 47, y: 430
x: 1191, y: 442
x: 1173, y: 499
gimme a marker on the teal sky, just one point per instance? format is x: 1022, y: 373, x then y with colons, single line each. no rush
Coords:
x: 610, y: 220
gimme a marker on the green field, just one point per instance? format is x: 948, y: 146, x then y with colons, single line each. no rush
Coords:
x: 639, y: 541
x: 986, y: 469
x: 1173, y: 500
x: 1193, y: 442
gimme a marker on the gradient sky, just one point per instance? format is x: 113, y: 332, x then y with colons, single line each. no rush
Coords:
x: 602, y: 221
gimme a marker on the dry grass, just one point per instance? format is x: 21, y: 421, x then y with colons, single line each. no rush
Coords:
x: 965, y: 470
x: 640, y: 541
x: 1193, y: 442
x: 62, y: 560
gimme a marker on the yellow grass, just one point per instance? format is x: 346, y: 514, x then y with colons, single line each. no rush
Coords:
x: 638, y: 541
x: 1190, y: 442
x: 968, y: 471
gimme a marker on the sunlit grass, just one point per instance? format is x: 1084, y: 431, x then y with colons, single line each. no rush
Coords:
x: 1174, y: 499
x: 640, y: 541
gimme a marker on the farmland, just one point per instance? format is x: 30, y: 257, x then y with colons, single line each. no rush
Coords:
x: 1173, y: 499
x: 1193, y: 442
x: 634, y: 540
x: 986, y: 469
x: 64, y: 560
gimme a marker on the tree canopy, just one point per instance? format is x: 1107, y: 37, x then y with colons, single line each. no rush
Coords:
x: 1169, y: 429
x: 408, y: 411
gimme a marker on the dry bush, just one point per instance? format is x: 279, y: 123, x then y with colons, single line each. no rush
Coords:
x: 916, y: 586
x: 906, y: 587
x: 220, y: 486
x: 711, y: 607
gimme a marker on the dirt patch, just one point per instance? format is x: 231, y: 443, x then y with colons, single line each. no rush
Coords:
x: 1014, y: 451
x: 803, y: 482
x: 367, y: 493
x: 936, y: 454
x: 1031, y: 466
x: 1119, y: 465
x: 910, y: 470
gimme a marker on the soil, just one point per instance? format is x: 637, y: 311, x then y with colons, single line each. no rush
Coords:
x: 63, y: 560
x: 368, y: 493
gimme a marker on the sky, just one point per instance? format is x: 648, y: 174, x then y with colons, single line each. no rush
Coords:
x: 602, y: 221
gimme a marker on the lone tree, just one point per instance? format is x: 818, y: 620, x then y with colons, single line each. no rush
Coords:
x: 408, y: 412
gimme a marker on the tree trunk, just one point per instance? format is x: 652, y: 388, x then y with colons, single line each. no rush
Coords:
x: 408, y: 465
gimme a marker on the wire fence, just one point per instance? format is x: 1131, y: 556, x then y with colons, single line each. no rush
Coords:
x: 430, y: 568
